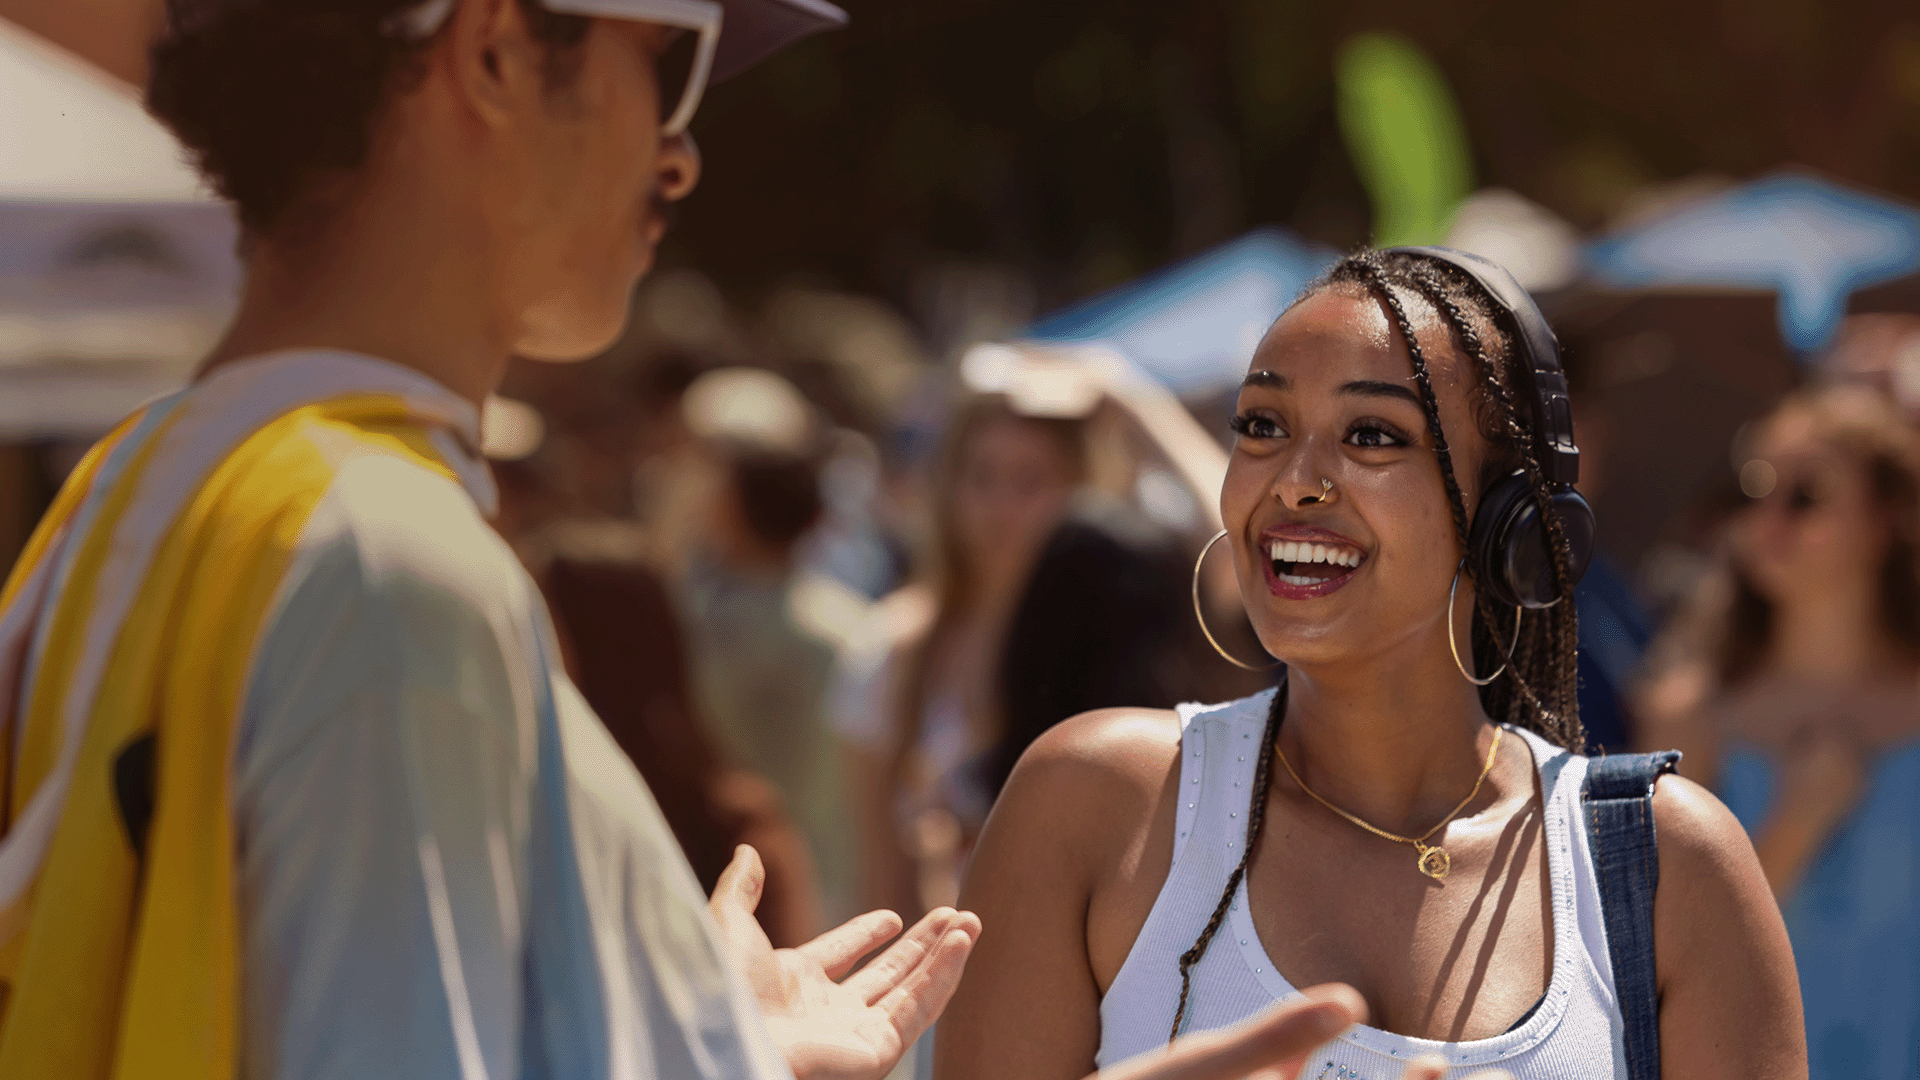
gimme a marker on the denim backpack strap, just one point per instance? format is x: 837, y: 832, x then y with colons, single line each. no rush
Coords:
x: 1626, y: 862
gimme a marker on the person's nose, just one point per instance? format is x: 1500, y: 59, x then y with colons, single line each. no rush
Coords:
x: 677, y: 169
x: 1306, y: 478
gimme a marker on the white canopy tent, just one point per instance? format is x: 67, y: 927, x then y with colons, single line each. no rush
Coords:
x: 117, y: 268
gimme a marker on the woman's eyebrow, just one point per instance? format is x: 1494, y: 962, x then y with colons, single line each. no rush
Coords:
x: 1273, y: 380
x: 1373, y: 388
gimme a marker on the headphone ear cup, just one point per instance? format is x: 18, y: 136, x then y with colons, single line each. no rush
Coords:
x: 1508, y: 544
x: 1487, y: 543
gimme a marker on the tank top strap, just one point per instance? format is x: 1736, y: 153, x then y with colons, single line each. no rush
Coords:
x: 1219, y: 751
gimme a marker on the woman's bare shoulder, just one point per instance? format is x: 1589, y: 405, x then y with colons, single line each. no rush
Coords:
x: 1710, y: 877
x: 1702, y: 845
x: 1124, y: 747
x: 1084, y: 780
x: 1725, y: 965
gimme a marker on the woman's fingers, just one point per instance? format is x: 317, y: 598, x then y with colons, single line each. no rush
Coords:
x: 837, y: 950
x: 890, y: 968
x: 1275, y: 1041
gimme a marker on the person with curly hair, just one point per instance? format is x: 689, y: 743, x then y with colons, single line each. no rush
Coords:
x: 295, y: 783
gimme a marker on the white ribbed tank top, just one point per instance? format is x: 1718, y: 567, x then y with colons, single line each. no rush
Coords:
x: 1573, y: 1034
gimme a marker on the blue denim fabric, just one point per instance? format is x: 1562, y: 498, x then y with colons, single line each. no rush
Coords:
x: 1854, y: 918
x: 1626, y: 863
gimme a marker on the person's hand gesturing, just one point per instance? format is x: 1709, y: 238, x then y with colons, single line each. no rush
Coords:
x: 828, y: 1024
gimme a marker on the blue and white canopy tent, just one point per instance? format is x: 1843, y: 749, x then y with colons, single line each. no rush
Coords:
x: 1809, y: 241
x: 1193, y: 325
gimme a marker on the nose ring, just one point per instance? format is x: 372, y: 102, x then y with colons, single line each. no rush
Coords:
x: 1326, y: 492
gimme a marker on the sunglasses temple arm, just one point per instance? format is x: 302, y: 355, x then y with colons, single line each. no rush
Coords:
x: 696, y: 81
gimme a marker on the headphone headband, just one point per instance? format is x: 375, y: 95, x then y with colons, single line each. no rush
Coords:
x: 1547, y: 382
x: 1507, y: 544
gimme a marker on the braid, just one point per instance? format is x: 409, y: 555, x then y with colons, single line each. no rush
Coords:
x: 1540, y: 649
x: 1256, y: 818
x: 1495, y: 697
x: 1497, y: 382
x: 1376, y: 275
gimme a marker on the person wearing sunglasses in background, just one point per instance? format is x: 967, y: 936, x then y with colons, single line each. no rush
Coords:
x: 293, y: 784
x: 1793, y: 687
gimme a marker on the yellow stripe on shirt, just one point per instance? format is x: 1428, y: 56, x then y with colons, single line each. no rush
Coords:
x: 133, y: 974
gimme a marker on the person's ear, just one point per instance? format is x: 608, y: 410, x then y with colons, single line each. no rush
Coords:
x: 497, y: 68
x: 677, y: 167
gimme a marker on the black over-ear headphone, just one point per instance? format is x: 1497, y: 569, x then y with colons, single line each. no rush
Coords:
x: 1507, y: 547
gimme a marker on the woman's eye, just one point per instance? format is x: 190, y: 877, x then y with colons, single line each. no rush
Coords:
x: 1373, y: 436
x: 1255, y: 426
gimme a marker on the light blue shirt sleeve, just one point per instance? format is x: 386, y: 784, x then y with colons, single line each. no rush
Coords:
x: 387, y: 785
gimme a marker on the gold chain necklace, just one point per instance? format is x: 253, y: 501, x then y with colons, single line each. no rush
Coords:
x: 1434, y: 860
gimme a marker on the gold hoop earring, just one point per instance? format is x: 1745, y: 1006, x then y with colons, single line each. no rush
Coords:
x: 1454, y: 648
x: 1200, y: 616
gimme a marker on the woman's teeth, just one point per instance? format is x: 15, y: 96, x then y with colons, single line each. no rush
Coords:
x: 1287, y: 551
x: 1298, y: 563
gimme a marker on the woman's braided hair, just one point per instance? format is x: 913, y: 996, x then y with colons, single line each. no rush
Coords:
x: 1538, y: 691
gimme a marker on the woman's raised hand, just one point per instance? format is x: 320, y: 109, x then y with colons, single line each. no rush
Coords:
x: 1271, y: 1046
x: 828, y: 1024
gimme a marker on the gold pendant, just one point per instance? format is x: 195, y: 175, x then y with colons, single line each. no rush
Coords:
x: 1434, y: 861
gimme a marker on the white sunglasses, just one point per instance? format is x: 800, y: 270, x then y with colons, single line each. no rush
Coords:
x: 699, y: 16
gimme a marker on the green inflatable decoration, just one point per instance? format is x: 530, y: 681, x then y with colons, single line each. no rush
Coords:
x: 1406, y: 138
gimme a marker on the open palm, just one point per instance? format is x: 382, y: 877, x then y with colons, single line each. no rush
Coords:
x: 828, y: 1024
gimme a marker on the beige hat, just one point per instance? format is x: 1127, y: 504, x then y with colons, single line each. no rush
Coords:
x: 750, y: 407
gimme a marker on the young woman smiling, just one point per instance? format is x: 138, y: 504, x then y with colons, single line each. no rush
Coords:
x: 1423, y: 837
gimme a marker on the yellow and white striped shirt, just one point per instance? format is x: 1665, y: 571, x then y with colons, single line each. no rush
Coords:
x: 294, y: 789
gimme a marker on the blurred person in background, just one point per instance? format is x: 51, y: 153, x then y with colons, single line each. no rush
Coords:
x: 1793, y: 688
x: 762, y: 662
x: 1042, y: 595
x: 621, y: 642
x: 1106, y: 617
x: 570, y: 480
x: 923, y: 729
x: 669, y: 478
x: 1614, y: 628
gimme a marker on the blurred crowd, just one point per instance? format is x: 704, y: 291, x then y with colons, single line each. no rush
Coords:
x: 824, y: 591
x: 825, y: 584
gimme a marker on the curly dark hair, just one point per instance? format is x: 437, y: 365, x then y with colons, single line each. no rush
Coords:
x: 274, y: 99
x: 1539, y: 689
